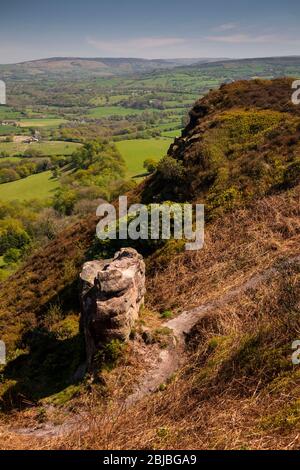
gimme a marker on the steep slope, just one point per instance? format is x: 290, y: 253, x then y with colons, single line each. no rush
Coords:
x: 236, y: 387
x: 242, y: 142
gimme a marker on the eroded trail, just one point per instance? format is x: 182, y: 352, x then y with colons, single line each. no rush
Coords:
x: 169, y: 360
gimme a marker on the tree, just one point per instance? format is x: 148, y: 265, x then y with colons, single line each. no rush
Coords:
x: 7, y: 175
x: 13, y: 235
x: 12, y: 255
x: 171, y: 169
x: 150, y: 165
x: 64, y: 201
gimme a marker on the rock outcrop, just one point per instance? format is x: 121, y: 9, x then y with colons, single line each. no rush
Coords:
x: 112, y: 293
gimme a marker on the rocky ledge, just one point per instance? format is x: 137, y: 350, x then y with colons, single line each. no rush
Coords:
x: 112, y: 292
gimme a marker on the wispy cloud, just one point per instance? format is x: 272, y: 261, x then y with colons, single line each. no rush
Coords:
x: 225, y: 27
x: 133, y: 46
x: 244, y: 38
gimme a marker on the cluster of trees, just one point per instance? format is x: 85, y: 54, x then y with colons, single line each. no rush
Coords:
x: 23, y: 227
x: 142, y: 126
x: 98, y: 172
x: 12, y: 171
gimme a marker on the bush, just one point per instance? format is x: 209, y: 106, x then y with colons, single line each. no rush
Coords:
x: 110, y: 353
x: 150, y: 165
x: 64, y: 201
x: 13, y: 235
x: 171, y: 169
x: 12, y: 256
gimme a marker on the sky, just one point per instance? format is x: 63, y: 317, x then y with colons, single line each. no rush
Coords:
x: 35, y: 29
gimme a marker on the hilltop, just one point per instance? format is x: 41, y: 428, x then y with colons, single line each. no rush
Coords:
x: 239, y: 155
x: 79, y: 67
x: 242, y: 142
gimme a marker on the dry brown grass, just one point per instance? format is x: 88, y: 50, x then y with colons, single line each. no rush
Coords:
x: 228, y: 396
x: 239, y: 389
x: 236, y: 246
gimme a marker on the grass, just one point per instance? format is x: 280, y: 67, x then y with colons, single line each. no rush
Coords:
x: 41, y: 122
x: 5, y: 270
x: 135, y: 152
x: 39, y: 186
x: 172, y: 134
x: 10, y: 159
x: 45, y: 148
x: 112, y: 100
x: 7, y: 112
x: 107, y: 111
x: 5, y: 130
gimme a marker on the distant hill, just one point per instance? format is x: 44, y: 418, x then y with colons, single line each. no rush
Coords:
x: 268, y: 67
x: 284, y: 60
x: 87, y: 67
x: 78, y: 68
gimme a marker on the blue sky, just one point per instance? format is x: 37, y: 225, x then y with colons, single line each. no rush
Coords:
x: 35, y: 29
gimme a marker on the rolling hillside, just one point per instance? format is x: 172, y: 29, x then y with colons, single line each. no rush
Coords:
x: 78, y: 67
x: 74, y: 68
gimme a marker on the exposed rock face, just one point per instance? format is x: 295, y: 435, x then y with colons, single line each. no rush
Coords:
x: 111, y: 296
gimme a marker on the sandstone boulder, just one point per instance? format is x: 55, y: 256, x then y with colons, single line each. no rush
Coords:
x: 112, y: 292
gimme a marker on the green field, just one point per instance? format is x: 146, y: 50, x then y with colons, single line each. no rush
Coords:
x: 107, y: 100
x: 107, y: 111
x: 135, y: 152
x: 172, y: 134
x: 10, y: 159
x: 39, y: 186
x: 5, y: 130
x: 41, y: 122
x: 45, y: 148
x: 8, y: 113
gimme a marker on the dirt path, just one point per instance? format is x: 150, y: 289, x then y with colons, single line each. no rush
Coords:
x: 169, y: 360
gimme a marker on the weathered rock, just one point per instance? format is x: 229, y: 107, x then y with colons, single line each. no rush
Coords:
x: 112, y: 293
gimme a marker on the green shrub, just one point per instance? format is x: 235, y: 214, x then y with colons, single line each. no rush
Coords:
x: 166, y: 314
x: 12, y: 255
x: 171, y: 169
x: 150, y: 165
x: 109, y: 354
